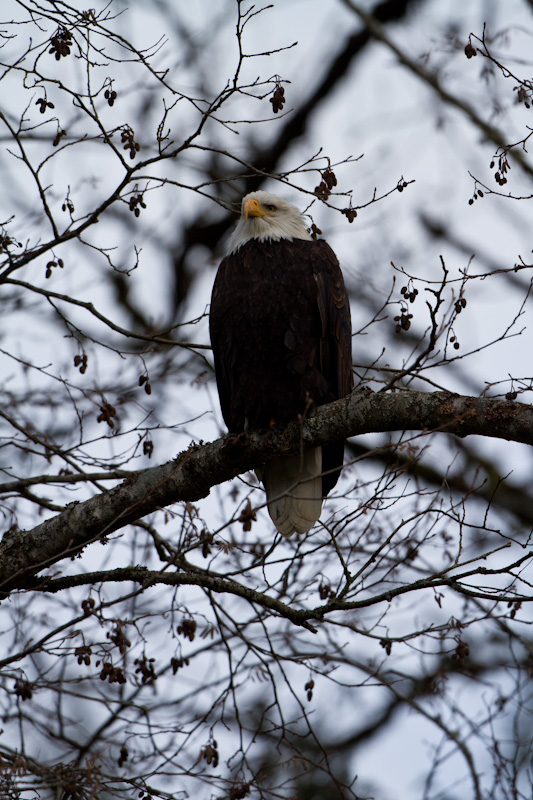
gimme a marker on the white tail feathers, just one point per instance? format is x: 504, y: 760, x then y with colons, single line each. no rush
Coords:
x: 293, y: 487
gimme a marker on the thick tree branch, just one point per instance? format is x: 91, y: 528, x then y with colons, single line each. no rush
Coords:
x: 192, y: 474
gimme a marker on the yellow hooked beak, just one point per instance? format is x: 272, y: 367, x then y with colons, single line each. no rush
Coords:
x: 252, y: 208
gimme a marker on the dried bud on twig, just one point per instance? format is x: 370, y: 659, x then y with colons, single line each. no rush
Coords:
x: 6, y: 241
x: 247, y: 516
x: 83, y: 654
x: 278, y: 98
x: 315, y: 232
x: 206, y: 540
x: 80, y: 361
x: 111, y: 673
x: 386, y: 645
x: 349, y: 213
x: 325, y: 591
x: 187, y: 628
x: 409, y: 292
x: 328, y: 182
x: 61, y: 42
x: 329, y: 177
x: 146, y: 667
x: 110, y: 95
x: 88, y: 605
x: 178, y: 663
x: 403, y: 321
x: 23, y: 689
x: 57, y: 137
x: 136, y: 202
x: 107, y: 414
x: 127, y: 137
x: 43, y: 104
x: 119, y: 638
x: 209, y: 753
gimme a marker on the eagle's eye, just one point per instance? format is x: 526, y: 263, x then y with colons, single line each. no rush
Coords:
x: 270, y: 208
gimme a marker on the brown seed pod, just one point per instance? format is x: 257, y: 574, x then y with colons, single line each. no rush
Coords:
x: 87, y: 605
x: 187, y: 628
x: 322, y: 190
x: 349, y: 213
x: 23, y: 689
x: 278, y: 99
x: 329, y: 177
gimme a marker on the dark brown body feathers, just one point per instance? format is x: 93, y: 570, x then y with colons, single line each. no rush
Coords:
x: 281, y: 336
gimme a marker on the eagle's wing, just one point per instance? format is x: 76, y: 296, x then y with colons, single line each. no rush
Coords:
x: 335, y: 346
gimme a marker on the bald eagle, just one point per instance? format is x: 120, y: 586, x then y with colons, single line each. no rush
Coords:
x: 281, y: 337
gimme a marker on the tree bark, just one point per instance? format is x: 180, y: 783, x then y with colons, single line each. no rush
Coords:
x: 189, y: 477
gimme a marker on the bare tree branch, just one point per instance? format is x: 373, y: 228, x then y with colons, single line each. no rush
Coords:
x: 489, y: 131
x: 195, y: 471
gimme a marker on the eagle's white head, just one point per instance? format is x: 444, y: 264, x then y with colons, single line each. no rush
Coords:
x: 266, y: 217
